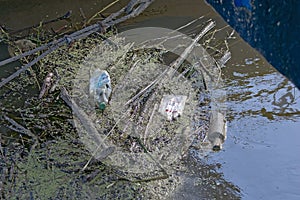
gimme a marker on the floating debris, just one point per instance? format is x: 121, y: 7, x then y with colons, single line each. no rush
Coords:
x: 172, y: 106
x: 100, y: 88
x: 152, y: 114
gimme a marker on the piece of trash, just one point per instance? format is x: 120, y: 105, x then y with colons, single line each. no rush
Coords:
x: 217, y: 130
x: 172, y: 106
x: 100, y: 88
x: 225, y: 58
x: 46, y: 85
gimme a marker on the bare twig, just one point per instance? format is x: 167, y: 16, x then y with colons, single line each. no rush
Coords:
x: 189, y: 23
x: 82, y: 14
x: 19, y: 128
x: 102, y: 10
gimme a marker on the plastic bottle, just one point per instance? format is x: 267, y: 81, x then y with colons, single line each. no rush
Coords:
x: 100, y: 88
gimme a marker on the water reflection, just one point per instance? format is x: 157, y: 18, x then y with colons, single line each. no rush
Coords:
x: 254, y: 93
x: 264, y: 121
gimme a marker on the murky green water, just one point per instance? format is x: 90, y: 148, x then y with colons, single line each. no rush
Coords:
x: 260, y: 155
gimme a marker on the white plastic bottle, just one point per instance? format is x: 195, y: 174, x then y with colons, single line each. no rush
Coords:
x: 100, y: 88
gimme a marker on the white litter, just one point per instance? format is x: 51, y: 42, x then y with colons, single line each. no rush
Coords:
x: 172, y: 106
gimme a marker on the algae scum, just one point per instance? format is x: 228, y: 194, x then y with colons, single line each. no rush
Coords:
x: 144, y: 156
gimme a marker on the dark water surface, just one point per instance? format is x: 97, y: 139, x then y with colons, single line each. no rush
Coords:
x: 260, y: 155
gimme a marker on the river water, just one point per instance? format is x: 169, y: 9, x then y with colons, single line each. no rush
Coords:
x: 260, y: 155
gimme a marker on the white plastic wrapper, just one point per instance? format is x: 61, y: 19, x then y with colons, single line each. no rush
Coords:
x: 172, y: 106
